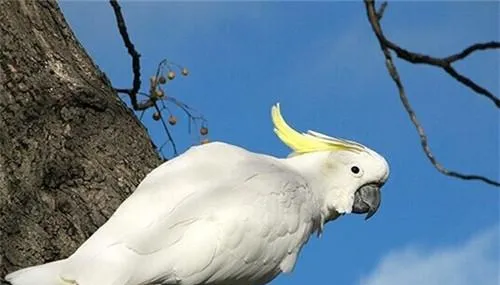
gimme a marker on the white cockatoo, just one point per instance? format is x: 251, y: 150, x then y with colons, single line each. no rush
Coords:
x: 221, y: 215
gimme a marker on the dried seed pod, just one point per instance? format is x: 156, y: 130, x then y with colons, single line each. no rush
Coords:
x: 159, y: 93
x: 171, y: 75
x: 172, y: 120
x: 203, y: 131
x: 156, y: 116
x: 185, y: 71
x: 162, y: 80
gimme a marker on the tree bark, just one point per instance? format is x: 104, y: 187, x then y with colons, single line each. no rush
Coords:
x: 70, y: 150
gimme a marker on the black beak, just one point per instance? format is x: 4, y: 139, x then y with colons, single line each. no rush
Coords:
x: 367, y: 200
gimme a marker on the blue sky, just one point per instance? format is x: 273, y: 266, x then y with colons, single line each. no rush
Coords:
x: 322, y: 62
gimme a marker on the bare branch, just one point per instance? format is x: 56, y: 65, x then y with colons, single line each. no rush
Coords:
x: 469, y: 50
x: 386, y: 46
x: 444, y: 63
x: 471, y: 84
x: 136, y: 63
x: 381, y: 10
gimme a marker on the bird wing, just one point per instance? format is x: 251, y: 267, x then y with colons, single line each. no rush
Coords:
x: 217, y: 213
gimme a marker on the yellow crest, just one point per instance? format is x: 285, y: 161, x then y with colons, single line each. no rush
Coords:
x: 308, y: 142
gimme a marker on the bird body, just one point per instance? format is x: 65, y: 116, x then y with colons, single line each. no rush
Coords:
x: 221, y: 215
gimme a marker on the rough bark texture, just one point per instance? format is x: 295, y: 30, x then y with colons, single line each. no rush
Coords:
x: 70, y: 151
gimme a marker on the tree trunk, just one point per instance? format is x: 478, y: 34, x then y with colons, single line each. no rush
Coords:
x: 70, y: 150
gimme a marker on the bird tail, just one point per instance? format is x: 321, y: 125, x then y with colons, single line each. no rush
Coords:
x: 45, y: 274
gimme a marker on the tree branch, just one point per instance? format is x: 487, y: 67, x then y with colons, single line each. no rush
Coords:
x: 381, y: 10
x: 445, y: 63
x: 136, y: 64
x: 469, y: 50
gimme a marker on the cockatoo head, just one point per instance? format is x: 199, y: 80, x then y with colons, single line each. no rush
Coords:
x: 346, y: 175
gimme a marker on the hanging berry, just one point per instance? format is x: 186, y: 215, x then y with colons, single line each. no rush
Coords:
x: 172, y: 120
x: 156, y: 116
x: 171, y: 75
x: 162, y: 80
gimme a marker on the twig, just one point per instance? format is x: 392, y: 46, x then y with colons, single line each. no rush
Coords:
x: 169, y: 135
x: 381, y: 10
x: 386, y: 46
x: 136, y: 63
x: 188, y: 111
x: 444, y: 63
x: 469, y: 50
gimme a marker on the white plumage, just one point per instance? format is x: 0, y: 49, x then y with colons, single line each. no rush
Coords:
x: 221, y: 215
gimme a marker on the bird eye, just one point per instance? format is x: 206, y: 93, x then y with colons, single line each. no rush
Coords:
x: 355, y: 169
